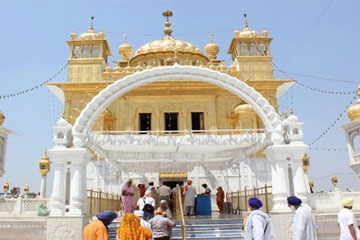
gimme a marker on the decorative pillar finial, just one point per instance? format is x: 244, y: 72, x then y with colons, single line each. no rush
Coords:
x: 167, y: 30
x: 92, y: 23
x: 246, y: 22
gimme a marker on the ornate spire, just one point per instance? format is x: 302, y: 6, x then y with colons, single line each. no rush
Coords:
x: 92, y: 23
x: 246, y: 22
x: 2, y: 118
x: 167, y: 30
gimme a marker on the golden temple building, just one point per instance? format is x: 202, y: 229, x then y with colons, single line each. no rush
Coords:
x: 166, y: 106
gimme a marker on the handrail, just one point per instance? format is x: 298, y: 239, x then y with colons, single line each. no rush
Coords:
x: 180, y: 213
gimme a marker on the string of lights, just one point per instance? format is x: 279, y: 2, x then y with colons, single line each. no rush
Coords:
x: 317, y: 90
x: 330, y: 175
x: 176, y: 35
x: 318, y: 77
x: 333, y: 124
x: 36, y: 87
x: 325, y: 149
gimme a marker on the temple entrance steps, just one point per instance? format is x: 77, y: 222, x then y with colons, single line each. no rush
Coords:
x: 205, y: 228
x: 210, y: 228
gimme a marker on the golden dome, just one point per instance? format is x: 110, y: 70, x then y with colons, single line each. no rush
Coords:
x: 212, y: 49
x: 125, y: 50
x: 108, y: 68
x: 247, y: 31
x: 353, y: 111
x: 90, y: 34
x: 236, y: 33
x: 73, y: 35
x: 265, y: 33
x: 163, y: 50
x: 232, y: 67
x: 244, y: 108
x: 2, y: 118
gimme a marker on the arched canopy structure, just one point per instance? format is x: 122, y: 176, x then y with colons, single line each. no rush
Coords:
x: 83, y: 124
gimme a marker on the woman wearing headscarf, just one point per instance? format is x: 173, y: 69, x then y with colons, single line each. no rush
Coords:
x: 130, y: 228
x: 127, y: 193
x: 98, y: 230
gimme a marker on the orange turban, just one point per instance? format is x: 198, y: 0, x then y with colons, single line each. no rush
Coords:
x: 158, y: 212
x: 189, y: 182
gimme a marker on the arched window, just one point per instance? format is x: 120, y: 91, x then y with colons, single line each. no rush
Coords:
x: 356, y: 144
x: 253, y: 50
x: 244, y: 50
x: 262, y: 49
x: 295, y: 131
x: 95, y: 51
x: 86, y: 52
x: 76, y: 52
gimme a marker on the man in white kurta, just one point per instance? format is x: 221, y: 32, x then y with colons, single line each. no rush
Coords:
x: 349, y: 229
x: 189, y: 201
x: 304, y: 224
x: 258, y: 226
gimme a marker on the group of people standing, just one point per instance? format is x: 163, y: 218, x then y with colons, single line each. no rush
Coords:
x: 258, y: 226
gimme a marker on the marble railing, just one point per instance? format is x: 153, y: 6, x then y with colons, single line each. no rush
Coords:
x: 331, y: 201
x: 15, y: 207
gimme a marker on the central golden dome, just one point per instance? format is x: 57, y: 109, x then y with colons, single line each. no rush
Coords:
x: 168, y: 49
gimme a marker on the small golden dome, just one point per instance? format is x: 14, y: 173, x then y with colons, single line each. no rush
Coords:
x: 73, y: 35
x: 101, y: 35
x: 222, y: 67
x: 244, y: 108
x: 118, y: 69
x: 265, y: 33
x: 90, y: 34
x: 166, y: 48
x: 212, y: 49
x: 353, y: 111
x: 232, y: 67
x: 108, y: 68
x: 2, y: 118
x: 236, y: 33
x: 125, y: 50
x: 247, y: 32
x: 139, y: 68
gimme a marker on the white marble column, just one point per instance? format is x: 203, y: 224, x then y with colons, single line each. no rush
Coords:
x: 43, y: 186
x: 58, y: 193
x: 277, y: 155
x: 79, y: 159
x: 301, y: 187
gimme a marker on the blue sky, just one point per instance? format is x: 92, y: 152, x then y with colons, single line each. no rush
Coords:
x: 317, y: 37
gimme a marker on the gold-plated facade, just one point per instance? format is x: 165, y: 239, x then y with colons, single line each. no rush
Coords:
x: 44, y: 164
x: 90, y: 72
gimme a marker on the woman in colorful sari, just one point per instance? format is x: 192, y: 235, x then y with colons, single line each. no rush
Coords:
x: 127, y: 193
x: 130, y: 229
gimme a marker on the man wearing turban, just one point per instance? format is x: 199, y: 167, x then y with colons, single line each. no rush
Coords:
x: 258, y: 226
x: 304, y: 224
x: 189, y: 202
x: 98, y: 230
x: 349, y: 229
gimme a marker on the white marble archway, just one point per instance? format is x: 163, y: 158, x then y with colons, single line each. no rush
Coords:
x: 87, y: 117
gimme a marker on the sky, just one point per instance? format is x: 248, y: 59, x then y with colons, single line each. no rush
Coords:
x: 311, y: 37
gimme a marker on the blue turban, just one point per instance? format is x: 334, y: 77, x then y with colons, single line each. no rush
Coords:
x: 106, y: 215
x: 295, y: 201
x: 255, y: 203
